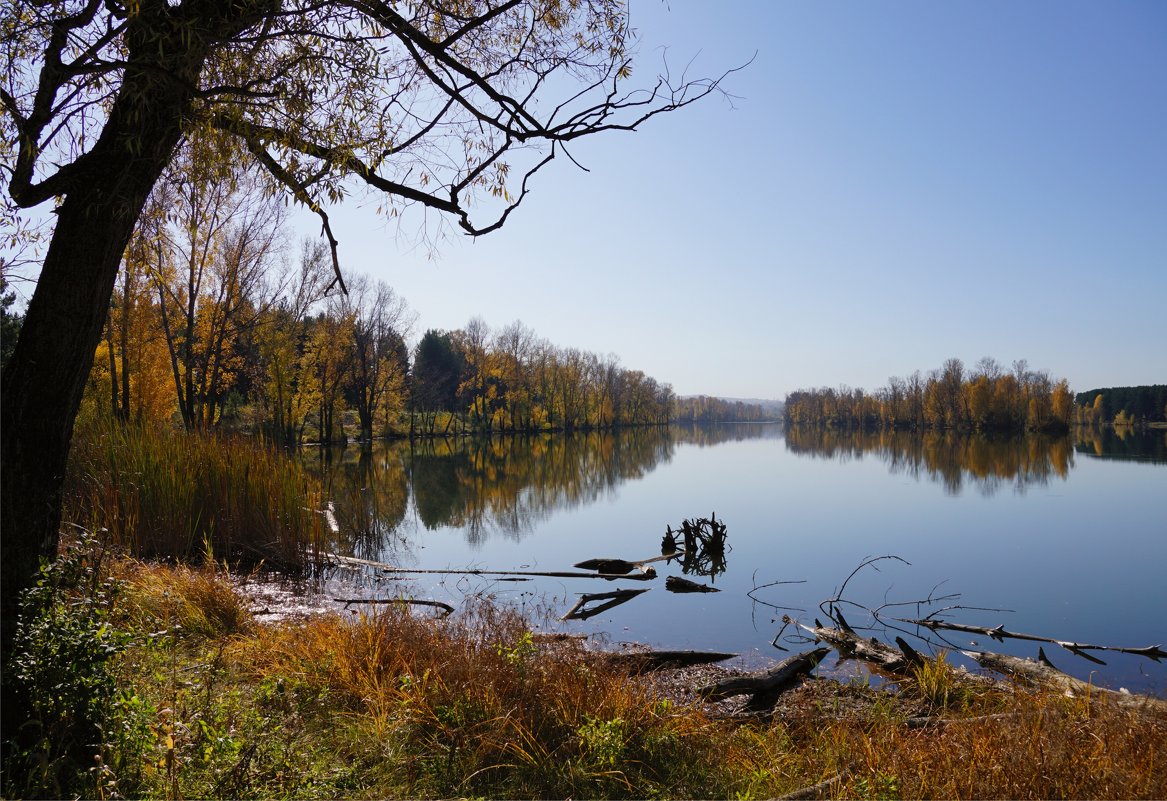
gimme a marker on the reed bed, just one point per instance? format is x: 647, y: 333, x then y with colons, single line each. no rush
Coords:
x: 161, y: 493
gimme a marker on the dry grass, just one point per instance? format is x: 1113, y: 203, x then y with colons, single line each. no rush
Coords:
x: 399, y: 705
x: 481, y: 710
x: 201, y: 601
x: 1046, y: 747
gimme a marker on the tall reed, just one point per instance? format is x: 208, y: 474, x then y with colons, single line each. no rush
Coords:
x: 162, y: 493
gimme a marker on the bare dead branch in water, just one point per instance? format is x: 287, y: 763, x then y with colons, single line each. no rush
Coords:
x: 1000, y: 634
x: 828, y: 607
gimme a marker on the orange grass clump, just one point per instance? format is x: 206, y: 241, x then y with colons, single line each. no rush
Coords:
x: 477, y: 708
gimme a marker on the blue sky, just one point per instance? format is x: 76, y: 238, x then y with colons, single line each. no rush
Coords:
x: 894, y: 184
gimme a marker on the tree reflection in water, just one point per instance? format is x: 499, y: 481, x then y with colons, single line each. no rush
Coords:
x: 501, y: 484
x: 955, y: 460
x: 508, y: 485
x: 985, y: 462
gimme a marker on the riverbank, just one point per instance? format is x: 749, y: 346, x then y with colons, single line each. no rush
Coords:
x: 195, y: 697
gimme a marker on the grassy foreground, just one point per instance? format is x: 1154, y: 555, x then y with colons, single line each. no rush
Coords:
x: 156, y: 681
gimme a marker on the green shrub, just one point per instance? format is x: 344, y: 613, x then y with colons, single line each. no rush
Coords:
x: 60, y: 662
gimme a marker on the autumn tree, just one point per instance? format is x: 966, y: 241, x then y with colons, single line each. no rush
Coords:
x: 212, y: 280
x: 427, y: 103
x: 282, y: 342
x: 949, y: 398
x: 328, y: 357
x: 514, y: 345
x: 477, y: 387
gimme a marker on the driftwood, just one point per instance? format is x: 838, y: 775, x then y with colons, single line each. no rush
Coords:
x: 678, y: 584
x: 1041, y: 671
x: 646, y: 661
x: 622, y: 567
x: 611, y: 599
x: 352, y: 561
x: 999, y: 634
x: 449, y: 610
x: 851, y: 646
x: 772, y: 683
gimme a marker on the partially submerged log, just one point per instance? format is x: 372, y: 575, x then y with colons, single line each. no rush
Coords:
x: 610, y: 599
x: 622, y: 566
x: 678, y: 584
x: 851, y: 646
x: 646, y: 661
x: 1041, y: 671
x: 387, y: 568
x: 772, y: 683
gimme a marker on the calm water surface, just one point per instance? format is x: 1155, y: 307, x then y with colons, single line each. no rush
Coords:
x: 1067, y: 538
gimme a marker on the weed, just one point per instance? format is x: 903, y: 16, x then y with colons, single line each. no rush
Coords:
x: 603, y: 741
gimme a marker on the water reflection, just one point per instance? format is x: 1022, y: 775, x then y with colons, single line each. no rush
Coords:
x: 956, y: 461
x: 508, y: 486
x: 505, y: 485
x: 1123, y: 443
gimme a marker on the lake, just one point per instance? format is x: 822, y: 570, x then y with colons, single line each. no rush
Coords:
x: 1058, y: 537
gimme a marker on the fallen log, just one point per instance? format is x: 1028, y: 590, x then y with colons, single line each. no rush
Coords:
x: 999, y: 634
x: 646, y: 661
x: 622, y: 566
x: 1041, y: 671
x: 678, y: 584
x: 773, y: 682
x: 611, y: 599
x: 387, y: 568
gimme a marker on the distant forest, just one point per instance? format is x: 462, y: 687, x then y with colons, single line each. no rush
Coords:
x: 988, y: 397
x: 1122, y: 405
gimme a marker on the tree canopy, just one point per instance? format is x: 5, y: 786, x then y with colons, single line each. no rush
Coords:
x: 428, y: 102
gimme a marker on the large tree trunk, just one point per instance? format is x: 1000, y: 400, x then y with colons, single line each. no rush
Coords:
x: 45, y: 377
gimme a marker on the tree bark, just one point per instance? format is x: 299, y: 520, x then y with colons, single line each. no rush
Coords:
x: 43, y: 382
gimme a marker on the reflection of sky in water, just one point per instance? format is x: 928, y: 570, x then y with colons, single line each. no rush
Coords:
x: 1077, y: 553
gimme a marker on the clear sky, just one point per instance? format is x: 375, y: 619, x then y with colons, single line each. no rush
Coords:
x: 895, y: 183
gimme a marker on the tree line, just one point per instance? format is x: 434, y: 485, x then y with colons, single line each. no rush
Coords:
x: 213, y: 323
x: 1122, y: 406
x: 986, y: 398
